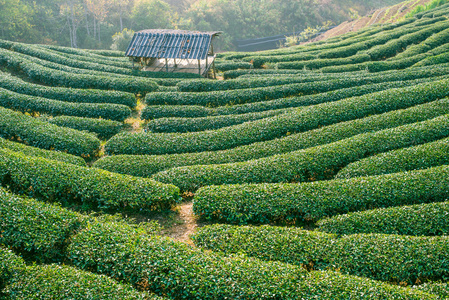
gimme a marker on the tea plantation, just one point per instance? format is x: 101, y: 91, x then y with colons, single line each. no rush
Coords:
x: 321, y: 171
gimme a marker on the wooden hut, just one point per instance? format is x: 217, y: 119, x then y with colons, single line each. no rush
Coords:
x: 169, y: 50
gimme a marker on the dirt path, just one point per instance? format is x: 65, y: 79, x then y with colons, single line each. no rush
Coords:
x: 185, y: 225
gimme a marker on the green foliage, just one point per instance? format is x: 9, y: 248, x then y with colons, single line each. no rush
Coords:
x: 103, y: 128
x: 207, y: 123
x: 317, y: 163
x: 421, y: 8
x: 93, y: 188
x: 66, y: 94
x: 64, y: 282
x: 37, y: 133
x: 421, y: 219
x: 375, y: 256
x: 38, y: 230
x: 301, y: 120
x: 146, y: 165
x: 440, y: 289
x: 182, y: 272
x: 266, y: 203
x: 121, y: 40
x: 10, y: 266
x: 33, y: 104
x: 401, y: 160
x: 33, y: 151
x: 232, y: 65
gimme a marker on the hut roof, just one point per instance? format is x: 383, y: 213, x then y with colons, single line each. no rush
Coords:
x: 167, y: 43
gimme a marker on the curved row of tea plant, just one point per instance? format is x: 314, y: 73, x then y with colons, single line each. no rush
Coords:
x: 266, y: 203
x: 33, y: 151
x: 195, y: 111
x: 419, y: 219
x: 394, y: 258
x: 41, y: 134
x: 418, y: 157
x: 104, y: 129
x: 317, y: 163
x: 70, y: 184
x: 33, y: 104
x: 146, y: 165
x: 17, y: 85
x: 269, y: 128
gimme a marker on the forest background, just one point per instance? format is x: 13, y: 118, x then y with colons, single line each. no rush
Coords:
x: 100, y: 24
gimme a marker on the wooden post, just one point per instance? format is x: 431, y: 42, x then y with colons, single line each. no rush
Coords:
x: 166, y: 65
x: 213, y: 68
x: 213, y: 62
x: 199, y: 67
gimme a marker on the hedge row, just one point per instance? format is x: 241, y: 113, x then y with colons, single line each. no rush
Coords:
x: 39, y: 231
x: 196, y: 111
x: 82, y: 55
x: 418, y: 157
x: 435, y: 40
x: 10, y: 266
x: 70, y: 63
x: 324, y: 62
x: 66, y: 94
x: 232, y: 65
x: 128, y: 253
x: 33, y: 104
x: 317, y: 163
x: 103, y: 128
x: 379, y: 66
x: 207, y: 123
x: 64, y: 282
x: 440, y: 289
x: 392, y: 258
x: 237, y: 73
x: 55, y: 77
x: 93, y: 188
x: 258, y: 81
x: 250, y: 95
x: 145, y: 165
x: 433, y: 60
x: 269, y: 128
x: 181, y: 272
x: 112, y: 53
x: 392, y: 47
x: 265, y: 203
x: 40, y: 134
x: 85, y: 53
x: 32, y: 151
x: 420, y: 219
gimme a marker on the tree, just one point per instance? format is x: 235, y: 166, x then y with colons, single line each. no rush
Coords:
x: 15, y: 18
x: 121, y: 40
x: 152, y: 14
x: 99, y: 10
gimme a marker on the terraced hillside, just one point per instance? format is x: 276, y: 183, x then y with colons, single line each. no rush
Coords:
x: 325, y: 168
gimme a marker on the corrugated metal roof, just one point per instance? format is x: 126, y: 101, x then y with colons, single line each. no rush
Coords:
x: 165, y: 43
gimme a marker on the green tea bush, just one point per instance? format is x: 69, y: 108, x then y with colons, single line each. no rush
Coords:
x: 265, y: 203
x: 146, y: 165
x: 232, y: 65
x: 394, y: 258
x: 236, y: 73
x: 93, y: 188
x: 181, y: 272
x: 65, y: 282
x: 41, y: 134
x: 324, y: 62
x: 196, y: 111
x: 220, y: 98
x: 17, y: 85
x: 33, y: 151
x: 207, y: 123
x: 11, y: 266
x: 33, y: 104
x: 418, y: 157
x: 269, y: 128
x: 103, y: 128
x: 317, y: 163
x: 55, y: 77
x: 40, y: 231
x: 441, y: 289
x: 433, y: 60
x: 420, y: 219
